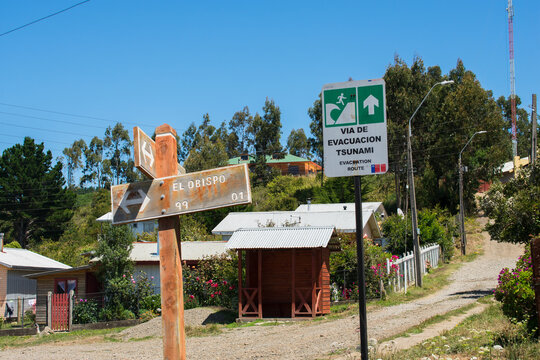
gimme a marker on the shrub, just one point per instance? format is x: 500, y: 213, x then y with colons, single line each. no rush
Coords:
x: 85, y: 311
x: 343, y: 266
x: 515, y: 292
x: 212, y: 283
x: 29, y: 317
x: 437, y: 226
x: 147, y: 315
x: 151, y: 302
x: 126, y: 293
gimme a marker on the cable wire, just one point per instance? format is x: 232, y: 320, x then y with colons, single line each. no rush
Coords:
x: 43, y: 18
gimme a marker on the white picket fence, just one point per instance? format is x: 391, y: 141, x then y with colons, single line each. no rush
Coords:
x: 429, y: 257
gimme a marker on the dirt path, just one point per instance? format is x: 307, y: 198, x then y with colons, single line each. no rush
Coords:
x: 314, y: 340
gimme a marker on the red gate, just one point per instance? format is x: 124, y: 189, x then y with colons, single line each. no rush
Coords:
x: 60, y: 312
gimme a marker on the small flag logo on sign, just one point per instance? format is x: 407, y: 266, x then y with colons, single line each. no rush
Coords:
x: 377, y: 168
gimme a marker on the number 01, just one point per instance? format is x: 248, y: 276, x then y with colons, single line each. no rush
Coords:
x: 237, y: 196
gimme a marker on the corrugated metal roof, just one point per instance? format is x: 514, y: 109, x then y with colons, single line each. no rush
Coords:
x: 59, y: 271
x: 269, y: 159
x: 366, y: 206
x: 281, y: 238
x: 22, y: 258
x: 191, y: 250
x: 344, y: 221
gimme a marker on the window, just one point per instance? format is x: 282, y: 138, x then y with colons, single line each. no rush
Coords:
x: 244, y: 157
x: 62, y: 286
x: 294, y: 170
x: 148, y: 226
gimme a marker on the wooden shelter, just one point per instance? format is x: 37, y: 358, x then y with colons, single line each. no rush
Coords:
x: 286, y: 271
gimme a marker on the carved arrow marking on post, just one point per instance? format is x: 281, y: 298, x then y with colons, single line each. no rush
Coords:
x: 370, y: 103
x: 143, y: 200
x: 148, y: 153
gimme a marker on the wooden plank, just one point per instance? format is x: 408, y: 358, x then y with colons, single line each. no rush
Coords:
x: 314, y: 284
x: 293, y: 285
x: 259, y: 285
x: 144, y: 150
x: 240, y: 284
x: 172, y: 298
x: 180, y: 194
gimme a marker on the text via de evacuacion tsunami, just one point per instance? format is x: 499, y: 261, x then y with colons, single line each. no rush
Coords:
x: 363, y: 141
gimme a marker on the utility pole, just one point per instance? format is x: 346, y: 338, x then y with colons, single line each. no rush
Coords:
x: 533, y: 131
x: 416, y: 241
x: 414, y: 216
x: 461, y: 202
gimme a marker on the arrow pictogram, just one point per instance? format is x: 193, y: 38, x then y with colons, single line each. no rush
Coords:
x: 148, y: 153
x: 370, y: 103
x: 142, y: 199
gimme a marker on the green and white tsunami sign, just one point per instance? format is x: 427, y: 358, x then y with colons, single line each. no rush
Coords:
x: 354, y: 128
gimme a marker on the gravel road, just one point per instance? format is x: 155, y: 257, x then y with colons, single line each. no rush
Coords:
x: 300, y: 340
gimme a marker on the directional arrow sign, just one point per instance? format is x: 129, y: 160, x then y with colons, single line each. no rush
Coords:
x: 370, y: 103
x: 145, y: 150
x: 174, y: 195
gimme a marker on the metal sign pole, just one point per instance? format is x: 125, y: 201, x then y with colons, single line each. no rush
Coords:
x: 170, y: 269
x: 360, y: 267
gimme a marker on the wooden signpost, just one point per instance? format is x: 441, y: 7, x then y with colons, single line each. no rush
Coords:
x: 164, y: 198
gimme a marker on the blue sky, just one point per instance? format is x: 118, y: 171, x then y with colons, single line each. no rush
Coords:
x: 151, y: 62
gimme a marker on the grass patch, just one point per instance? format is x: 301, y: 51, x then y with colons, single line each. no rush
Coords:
x: 432, y: 282
x: 433, y: 320
x: 142, y: 338
x: 476, y: 337
x: 205, y: 330
x: 31, y: 340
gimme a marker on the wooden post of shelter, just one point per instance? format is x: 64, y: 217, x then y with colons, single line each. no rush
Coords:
x: 259, y: 282
x: 240, y: 289
x: 293, y: 283
x: 172, y: 297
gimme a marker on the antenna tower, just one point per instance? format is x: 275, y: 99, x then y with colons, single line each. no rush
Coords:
x: 510, y: 11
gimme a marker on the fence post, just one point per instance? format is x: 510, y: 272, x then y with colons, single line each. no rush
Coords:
x: 22, y: 313
x: 19, y: 309
x: 49, y: 309
x: 70, y: 318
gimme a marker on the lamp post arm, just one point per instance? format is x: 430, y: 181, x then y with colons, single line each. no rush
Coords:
x: 419, y: 106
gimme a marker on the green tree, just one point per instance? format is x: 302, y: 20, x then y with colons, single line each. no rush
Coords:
x: 239, y: 126
x: 316, y: 141
x: 207, y: 147
x: 523, y: 126
x: 73, y: 158
x: 208, y: 155
x: 297, y: 144
x: 113, y: 252
x: 440, y: 129
x: 266, y: 130
x: 514, y: 207
x: 93, y: 171
x: 186, y: 142
x: 35, y: 203
x: 117, y: 144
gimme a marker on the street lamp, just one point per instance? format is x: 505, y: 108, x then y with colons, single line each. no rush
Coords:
x: 461, y: 205
x: 416, y: 242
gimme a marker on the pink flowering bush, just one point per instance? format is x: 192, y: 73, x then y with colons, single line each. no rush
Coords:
x: 343, y: 268
x: 211, y: 283
x: 515, y: 292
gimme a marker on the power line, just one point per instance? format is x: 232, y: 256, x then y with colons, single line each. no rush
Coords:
x: 43, y: 18
x: 74, y: 115
x: 53, y: 120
